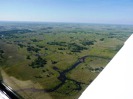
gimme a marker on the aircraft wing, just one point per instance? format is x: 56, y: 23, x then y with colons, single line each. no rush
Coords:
x: 116, y: 80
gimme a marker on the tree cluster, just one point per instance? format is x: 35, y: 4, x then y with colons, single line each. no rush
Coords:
x: 15, y: 31
x: 39, y: 62
x: 57, y: 43
x: 21, y: 45
x: 35, y: 40
x: 1, y: 55
x: 32, y: 48
x: 88, y: 43
x: 76, y: 48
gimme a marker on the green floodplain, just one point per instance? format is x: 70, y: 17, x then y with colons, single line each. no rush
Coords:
x: 56, y: 60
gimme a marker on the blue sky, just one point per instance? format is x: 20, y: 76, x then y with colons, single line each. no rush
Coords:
x: 84, y: 11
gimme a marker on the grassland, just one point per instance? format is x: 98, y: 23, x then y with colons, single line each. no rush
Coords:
x: 58, y: 60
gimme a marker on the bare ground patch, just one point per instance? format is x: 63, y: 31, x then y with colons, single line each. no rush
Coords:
x: 25, y: 88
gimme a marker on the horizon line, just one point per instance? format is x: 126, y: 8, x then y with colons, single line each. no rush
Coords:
x: 65, y: 22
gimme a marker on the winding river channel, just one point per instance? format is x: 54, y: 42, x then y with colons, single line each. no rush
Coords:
x: 63, y: 78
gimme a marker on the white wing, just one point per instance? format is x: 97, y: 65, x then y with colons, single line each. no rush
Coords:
x: 116, y: 80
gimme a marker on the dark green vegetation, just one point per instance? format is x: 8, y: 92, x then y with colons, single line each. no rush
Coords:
x: 39, y: 62
x: 63, y: 58
x: 1, y: 55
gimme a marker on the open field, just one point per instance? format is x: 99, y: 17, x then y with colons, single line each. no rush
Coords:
x: 56, y: 60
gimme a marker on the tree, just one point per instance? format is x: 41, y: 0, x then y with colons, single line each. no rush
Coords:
x: 28, y: 57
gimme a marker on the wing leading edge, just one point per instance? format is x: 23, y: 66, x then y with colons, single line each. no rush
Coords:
x: 116, y: 80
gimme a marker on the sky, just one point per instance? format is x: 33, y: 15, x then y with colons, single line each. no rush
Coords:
x: 77, y: 11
